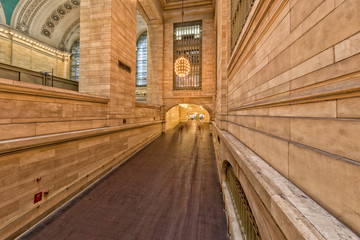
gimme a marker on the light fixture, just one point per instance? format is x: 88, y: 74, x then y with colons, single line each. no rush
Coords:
x: 182, y: 67
x: 182, y: 64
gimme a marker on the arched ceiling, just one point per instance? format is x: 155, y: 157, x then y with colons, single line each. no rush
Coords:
x: 55, y: 23
x: 2, y: 15
x: 141, y: 25
x: 176, y: 4
x: 155, y: 11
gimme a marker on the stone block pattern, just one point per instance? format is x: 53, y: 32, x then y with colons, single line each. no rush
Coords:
x: 155, y: 64
x: 292, y: 96
x: 64, y: 168
x: 223, y: 55
x: 28, y: 57
x: 107, y: 36
x: 172, y: 118
x: 34, y: 115
x: 67, y: 139
x: 206, y: 95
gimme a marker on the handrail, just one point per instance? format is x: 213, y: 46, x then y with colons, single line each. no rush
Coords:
x: 41, y: 78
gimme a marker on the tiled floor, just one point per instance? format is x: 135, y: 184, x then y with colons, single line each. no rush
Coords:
x: 169, y: 190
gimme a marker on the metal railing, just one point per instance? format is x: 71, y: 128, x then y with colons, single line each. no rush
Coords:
x: 244, y: 214
x: 41, y: 78
x: 240, y: 10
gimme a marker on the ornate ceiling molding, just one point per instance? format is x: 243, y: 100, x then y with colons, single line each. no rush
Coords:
x: 57, y: 15
x: 70, y: 36
x: 24, y: 14
x: 48, y: 21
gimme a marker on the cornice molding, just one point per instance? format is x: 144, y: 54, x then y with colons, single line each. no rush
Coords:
x: 16, y: 36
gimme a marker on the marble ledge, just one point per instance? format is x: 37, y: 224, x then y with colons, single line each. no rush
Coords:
x: 13, y: 145
x: 305, y: 215
x: 147, y: 105
x: 11, y: 86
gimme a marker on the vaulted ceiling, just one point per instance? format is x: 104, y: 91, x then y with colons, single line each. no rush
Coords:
x: 154, y: 11
x: 175, y: 4
x: 55, y: 23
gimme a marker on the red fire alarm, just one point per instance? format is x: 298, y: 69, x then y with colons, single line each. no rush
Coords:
x: 38, y: 197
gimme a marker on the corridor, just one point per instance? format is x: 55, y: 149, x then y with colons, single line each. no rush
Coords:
x: 169, y: 190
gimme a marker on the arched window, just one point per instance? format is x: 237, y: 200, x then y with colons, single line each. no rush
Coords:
x: 75, y: 56
x: 141, y: 60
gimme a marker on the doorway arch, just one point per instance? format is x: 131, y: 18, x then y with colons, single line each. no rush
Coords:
x: 184, y: 113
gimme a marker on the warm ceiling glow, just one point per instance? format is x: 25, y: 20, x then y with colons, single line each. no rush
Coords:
x: 183, y: 105
x: 182, y: 67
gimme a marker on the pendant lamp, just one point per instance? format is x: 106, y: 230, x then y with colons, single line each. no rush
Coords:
x: 182, y: 64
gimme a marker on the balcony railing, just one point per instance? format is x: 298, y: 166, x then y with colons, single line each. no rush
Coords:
x: 42, y: 78
x: 244, y: 214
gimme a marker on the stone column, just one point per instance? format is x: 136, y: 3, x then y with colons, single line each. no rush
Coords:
x: 155, y: 64
x: 107, y: 36
x: 223, y: 48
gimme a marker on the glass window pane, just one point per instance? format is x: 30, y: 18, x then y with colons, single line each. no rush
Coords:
x: 74, y: 61
x: 141, y: 60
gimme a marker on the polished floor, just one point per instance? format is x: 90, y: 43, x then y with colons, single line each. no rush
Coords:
x: 169, y: 190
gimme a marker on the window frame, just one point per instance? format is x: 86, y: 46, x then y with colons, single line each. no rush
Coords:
x: 194, y: 61
x: 145, y: 33
x: 76, y: 54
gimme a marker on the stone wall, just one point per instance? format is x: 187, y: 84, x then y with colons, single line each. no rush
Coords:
x: 155, y: 64
x: 107, y: 36
x: 292, y: 84
x: 64, y: 138
x: 206, y: 95
x: 172, y: 118
x: 29, y: 110
x: 70, y: 139
x: 28, y: 56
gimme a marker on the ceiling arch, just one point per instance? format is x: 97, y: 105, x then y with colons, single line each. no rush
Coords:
x: 2, y: 15
x: 55, y: 23
x: 141, y: 25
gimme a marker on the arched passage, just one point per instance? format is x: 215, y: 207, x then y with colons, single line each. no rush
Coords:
x: 185, y: 113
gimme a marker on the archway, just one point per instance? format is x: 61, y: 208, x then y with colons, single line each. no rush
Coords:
x: 185, y: 113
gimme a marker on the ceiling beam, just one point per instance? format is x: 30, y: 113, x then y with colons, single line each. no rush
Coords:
x: 151, y: 11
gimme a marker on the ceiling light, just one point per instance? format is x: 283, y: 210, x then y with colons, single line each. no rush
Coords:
x: 182, y: 64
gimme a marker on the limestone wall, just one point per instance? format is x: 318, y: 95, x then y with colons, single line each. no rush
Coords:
x: 70, y: 139
x: 64, y: 138
x: 147, y: 112
x: 206, y: 95
x: 172, y: 118
x: 46, y: 110
x: 292, y: 84
x: 154, y: 87
x: 65, y: 167
x: 25, y: 55
x: 107, y: 36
